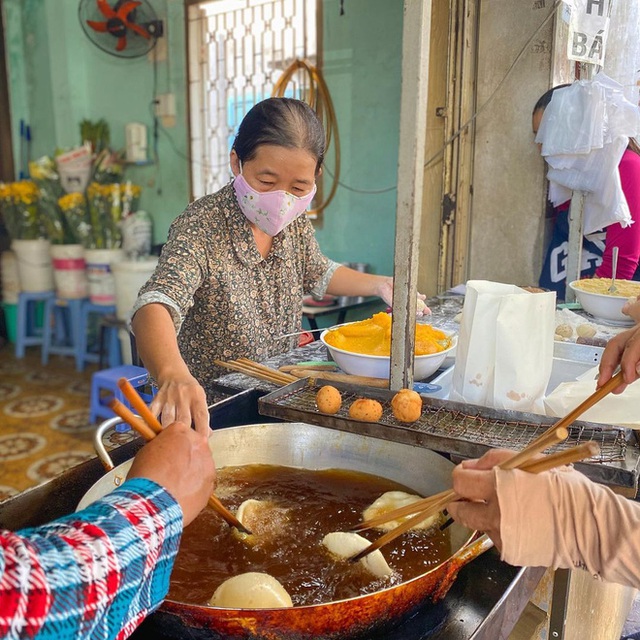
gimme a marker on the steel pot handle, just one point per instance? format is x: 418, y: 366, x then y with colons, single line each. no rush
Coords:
x: 98, y: 445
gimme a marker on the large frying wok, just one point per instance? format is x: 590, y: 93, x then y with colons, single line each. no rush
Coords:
x: 314, y: 447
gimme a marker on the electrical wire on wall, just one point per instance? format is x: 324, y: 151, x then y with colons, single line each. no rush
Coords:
x: 317, y: 96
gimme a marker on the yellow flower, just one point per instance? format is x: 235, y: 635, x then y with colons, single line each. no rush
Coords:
x: 70, y: 201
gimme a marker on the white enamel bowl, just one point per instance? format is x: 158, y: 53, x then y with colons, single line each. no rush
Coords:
x: 604, y: 307
x: 359, y: 364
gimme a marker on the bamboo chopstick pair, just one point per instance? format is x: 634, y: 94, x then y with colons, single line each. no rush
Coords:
x: 257, y: 370
x: 148, y: 427
x: 523, y: 460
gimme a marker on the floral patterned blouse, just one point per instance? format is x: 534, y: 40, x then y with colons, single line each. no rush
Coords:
x: 225, y: 299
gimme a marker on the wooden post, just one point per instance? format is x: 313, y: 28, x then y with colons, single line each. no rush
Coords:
x: 413, y: 119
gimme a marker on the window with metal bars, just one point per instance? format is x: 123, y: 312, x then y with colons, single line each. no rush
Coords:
x: 237, y: 51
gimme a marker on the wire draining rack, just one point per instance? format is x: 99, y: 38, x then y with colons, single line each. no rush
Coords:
x: 457, y: 428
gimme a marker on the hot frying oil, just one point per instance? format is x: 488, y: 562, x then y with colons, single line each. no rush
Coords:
x: 300, y: 508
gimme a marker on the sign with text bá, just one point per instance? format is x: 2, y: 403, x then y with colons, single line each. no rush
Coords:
x: 588, y: 29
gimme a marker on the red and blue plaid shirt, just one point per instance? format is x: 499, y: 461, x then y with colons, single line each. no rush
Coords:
x: 92, y: 574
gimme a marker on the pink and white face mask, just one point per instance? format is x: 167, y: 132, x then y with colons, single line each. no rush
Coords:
x: 270, y: 211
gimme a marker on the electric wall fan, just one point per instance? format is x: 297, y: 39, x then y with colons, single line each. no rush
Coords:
x: 123, y: 28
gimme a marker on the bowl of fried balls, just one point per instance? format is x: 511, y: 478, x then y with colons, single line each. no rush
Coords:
x: 362, y: 348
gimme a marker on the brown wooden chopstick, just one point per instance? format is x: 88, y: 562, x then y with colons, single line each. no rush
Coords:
x: 547, y: 439
x: 561, y: 458
x: 149, y: 434
x: 139, y: 404
x: 267, y: 374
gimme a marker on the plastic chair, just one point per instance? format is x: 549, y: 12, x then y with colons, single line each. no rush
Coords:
x: 104, y: 384
x: 28, y: 333
x: 108, y: 336
x: 62, y: 332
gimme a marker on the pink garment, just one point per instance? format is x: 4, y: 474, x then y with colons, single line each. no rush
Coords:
x: 627, y: 240
x: 562, y: 519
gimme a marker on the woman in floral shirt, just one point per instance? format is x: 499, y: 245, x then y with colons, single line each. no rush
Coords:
x: 237, y: 263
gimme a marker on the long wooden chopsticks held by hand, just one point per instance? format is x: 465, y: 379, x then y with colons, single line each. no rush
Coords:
x: 148, y: 427
x: 427, y: 507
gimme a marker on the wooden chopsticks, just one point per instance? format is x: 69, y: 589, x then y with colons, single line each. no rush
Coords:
x: 148, y: 427
x: 575, y: 454
x: 257, y: 370
x: 556, y: 433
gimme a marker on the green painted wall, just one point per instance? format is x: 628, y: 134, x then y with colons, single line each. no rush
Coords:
x: 362, y: 65
x: 59, y: 78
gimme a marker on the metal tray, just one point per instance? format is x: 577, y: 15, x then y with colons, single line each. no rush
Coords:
x: 457, y: 428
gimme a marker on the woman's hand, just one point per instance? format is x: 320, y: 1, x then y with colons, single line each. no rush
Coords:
x: 180, y: 397
x: 179, y: 459
x: 385, y: 291
x: 478, y: 507
x: 632, y: 309
x: 623, y: 350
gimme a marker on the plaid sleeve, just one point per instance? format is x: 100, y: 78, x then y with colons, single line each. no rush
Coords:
x: 92, y: 574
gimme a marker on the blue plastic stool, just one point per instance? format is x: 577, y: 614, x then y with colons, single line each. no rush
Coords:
x: 28, y: 334
x: 62, y: 329
x: 107, y: 381
x: 112, y: 342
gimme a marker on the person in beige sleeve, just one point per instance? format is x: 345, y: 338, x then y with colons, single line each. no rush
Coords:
x: 565, y: 521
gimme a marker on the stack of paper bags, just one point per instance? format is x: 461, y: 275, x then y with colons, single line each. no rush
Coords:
x: 505, y: 347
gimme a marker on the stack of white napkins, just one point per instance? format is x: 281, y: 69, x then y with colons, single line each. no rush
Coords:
x: 621, y: 410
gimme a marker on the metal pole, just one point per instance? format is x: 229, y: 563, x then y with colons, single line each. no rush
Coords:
x: 413, y: 121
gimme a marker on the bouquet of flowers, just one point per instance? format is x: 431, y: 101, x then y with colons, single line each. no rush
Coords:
x: 107, y: 206
x: 20, y: 210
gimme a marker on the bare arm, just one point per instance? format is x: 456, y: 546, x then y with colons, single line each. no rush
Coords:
x: 623, y: 350
x: 349, y: 282
x: 180, y: 396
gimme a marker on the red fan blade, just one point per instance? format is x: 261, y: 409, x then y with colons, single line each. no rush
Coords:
x: 105, y: 9
x: 138, y: 29
x: 122, y: 43
x: 97, y: 26
x: 126, y: 9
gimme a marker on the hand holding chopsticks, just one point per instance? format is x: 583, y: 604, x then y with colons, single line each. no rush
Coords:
x: 148, y: 427
x: 524, y: 460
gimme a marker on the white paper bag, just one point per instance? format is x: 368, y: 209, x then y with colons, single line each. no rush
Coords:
x: 505, y: 347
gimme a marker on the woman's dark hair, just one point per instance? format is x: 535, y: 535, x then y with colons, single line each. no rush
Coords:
x: 545, y: 98
x: 284, y: 122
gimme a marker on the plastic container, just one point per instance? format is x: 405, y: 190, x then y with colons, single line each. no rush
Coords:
x: 129, y: 278
x: 11, y: 320
x: 35, y: 270
x: 102, y: 284
x: 69, y: 270
x: 10, y: 278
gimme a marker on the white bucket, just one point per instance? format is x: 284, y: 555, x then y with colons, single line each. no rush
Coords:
x: 130, y: 276
x: 102, y: 285
x: 69, y: 270
x: 10, y: 278
x: 34, y: 265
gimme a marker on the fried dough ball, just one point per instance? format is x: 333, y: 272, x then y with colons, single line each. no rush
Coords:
x: 586, y: 331
x: 328, y: 399
x: 564, y: 330
x: 406, y: 405
x: 365, y: 410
